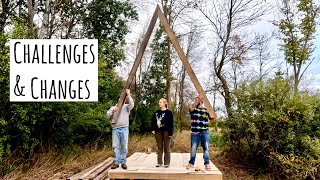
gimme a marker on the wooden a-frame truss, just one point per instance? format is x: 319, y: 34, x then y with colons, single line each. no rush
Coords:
x: 158, y: 14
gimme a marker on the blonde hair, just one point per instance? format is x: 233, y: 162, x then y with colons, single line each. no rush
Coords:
x: 165, y: 102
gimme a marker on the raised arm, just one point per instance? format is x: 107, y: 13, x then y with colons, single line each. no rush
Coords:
x: 194, y: 104
x: 131, y: 103
x: 214, y: 118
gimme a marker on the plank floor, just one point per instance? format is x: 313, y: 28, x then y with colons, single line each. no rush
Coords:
x: 142, y: 166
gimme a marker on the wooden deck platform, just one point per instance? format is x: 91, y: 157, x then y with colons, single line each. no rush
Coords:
x: 142, y: 166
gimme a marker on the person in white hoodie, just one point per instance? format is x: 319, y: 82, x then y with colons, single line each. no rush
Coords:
x: 120, y: 132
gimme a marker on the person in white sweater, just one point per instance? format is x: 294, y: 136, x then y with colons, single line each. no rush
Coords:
x: 120, y: 132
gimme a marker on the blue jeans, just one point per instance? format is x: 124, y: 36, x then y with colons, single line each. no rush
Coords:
x: 120, y: 144
x: 202, y: 137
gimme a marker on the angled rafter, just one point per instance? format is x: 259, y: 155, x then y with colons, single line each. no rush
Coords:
x: 135, y: 66
x: 183, y: 57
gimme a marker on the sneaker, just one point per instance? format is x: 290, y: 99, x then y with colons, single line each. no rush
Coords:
x: 189, y: 166
x: 124, y: 166
x: 207, y: 167
x: 158, y: 165
x: 166, y: 165
x: 114, y: 166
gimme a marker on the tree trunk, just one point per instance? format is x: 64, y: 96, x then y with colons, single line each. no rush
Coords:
x: 4, y: 14
x: 44, y: 28
x: 30, y: 14
x: 297, y: 77
x: 51, y: 27
x: 71, y: 24
x: 214, y: 104
x: 181, y: 99
x: 218, y: 69
x: 175, y: 97
x: 168, y: 61
x: 296, y: 83
x: 20, y: 8
x: 168, y: 65
x: 226, y: 95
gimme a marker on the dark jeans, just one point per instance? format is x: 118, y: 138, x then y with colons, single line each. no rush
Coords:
x: 163, y: 143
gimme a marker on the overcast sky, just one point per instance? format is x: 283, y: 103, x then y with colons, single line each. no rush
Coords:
x: 146, y: 8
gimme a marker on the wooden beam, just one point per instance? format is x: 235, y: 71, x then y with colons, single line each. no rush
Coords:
x: 78, y: 175
x: 101, y: 169
x: 185, y: 62
x: 103, y: 175
x: 135, y: 66
x: 96, y: 167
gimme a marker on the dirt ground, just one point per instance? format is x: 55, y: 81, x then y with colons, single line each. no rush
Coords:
x: 50, y: 165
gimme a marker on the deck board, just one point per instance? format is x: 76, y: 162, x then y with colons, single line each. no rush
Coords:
x: 142, y: 166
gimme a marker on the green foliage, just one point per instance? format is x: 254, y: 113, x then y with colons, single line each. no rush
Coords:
x: 106, y: 20
x: 70, y: 12
x: 291, y: 166
x: 185, y: 119
x: 152, y: 87
x: 298, y: 48
x: 4, y: 74
x: 297, y: 30
x: 269, y: 125
x: 20, y: 31
x: 7, y: 12
x: 110, y: 55
x: 4, y: 98
x: 217, y: 139
x: 25, y: 128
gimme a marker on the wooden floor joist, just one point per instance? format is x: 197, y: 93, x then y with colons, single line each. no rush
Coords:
x: 96, y: 172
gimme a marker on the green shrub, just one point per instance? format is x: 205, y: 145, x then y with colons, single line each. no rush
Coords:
x: 269, y: 126
x: 291, y: 166
x: 217, y: 139
x: 25, y: 128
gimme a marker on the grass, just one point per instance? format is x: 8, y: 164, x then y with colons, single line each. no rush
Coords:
x: 50, y: 165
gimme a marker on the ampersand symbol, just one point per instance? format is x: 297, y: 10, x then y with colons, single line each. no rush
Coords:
x: 17, y: 90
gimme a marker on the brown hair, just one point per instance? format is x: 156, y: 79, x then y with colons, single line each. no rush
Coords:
x: 165, y: 102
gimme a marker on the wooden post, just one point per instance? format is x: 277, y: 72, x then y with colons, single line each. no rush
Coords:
x: 135, y: 65
x: 185, y: 62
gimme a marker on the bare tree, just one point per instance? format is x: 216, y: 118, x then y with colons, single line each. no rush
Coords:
x: 59, y: 18
x: 192, y: 41
x: 227, y: 18
x: 31, y: 6
x: 264, y: 55
x: 45, y: 23
x: 173, y: 10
